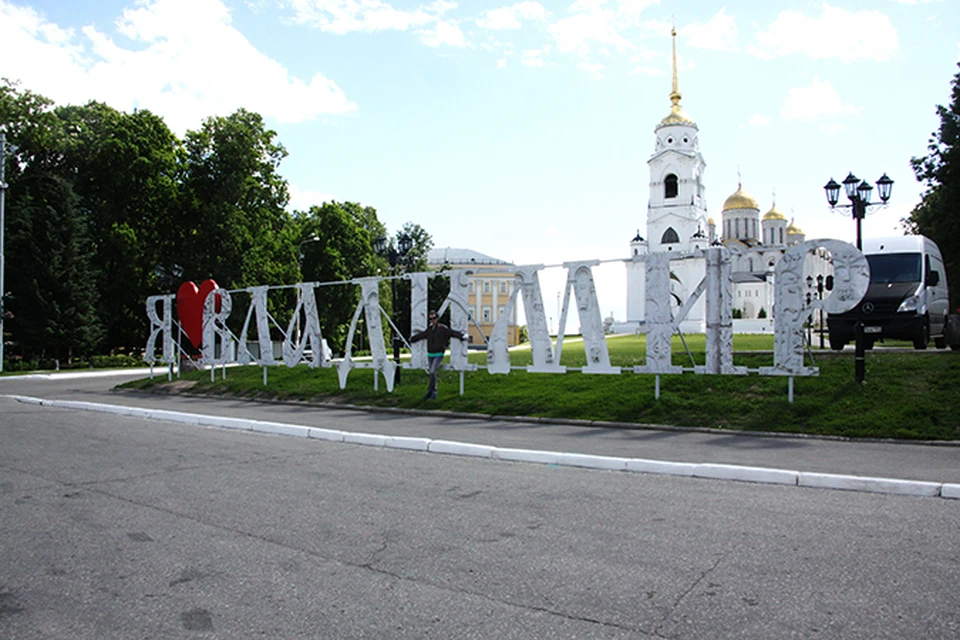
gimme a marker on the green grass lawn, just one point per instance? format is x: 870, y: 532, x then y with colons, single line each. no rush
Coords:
x: 907, y: 394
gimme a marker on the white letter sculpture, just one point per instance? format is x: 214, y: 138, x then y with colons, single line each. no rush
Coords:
x: 258, y: 308
x: 851, y: 279
x: 580, y: 279
x: 293, y: 353
x: 160, y: 326
x: 792, y: 306
x: 370, y: 306
x: 215, y: 326
x: 658, y: 320
x: 719, y: 307
x: 419, y: 299
x: 541, y: 347
x: 457, y: 303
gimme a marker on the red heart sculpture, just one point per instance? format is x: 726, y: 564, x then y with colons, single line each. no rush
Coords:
x: 190, y: 301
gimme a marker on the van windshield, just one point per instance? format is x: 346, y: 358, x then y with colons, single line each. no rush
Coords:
x: 894, y: 267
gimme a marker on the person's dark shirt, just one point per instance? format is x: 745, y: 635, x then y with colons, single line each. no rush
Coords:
x: 437, y: 337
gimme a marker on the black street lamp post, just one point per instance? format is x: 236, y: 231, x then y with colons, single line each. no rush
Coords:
x: 395, y: 255
x: 858, y: 192
x: 820, y: 298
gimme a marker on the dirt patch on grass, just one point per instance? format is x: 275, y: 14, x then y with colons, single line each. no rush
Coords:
x: 174, y: 386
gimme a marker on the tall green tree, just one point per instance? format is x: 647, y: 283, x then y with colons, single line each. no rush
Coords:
x: 337, y: 246
x: 51, y: 291
x: 32, y: 126
x: 53, y: 305
x: 938, y: 214
x: 237, y: 230
x: 125, y: 171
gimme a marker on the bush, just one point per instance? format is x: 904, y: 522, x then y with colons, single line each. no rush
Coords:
x: 51, y: 364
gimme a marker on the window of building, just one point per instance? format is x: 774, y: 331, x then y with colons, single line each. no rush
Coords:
x: 486, y: 286
x: 486, y: 314
x: 670, y: 237
x: 503, y: 287
x: 670, y: 188
x: 470, y: 287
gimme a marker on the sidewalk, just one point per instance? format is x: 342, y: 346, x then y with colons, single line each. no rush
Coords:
x: 685, y: 449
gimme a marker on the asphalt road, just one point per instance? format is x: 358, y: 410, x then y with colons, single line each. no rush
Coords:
x: 117, y: 527
x: 905, y: 461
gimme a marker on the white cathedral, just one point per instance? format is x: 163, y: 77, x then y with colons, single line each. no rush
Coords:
x: 677, y: 221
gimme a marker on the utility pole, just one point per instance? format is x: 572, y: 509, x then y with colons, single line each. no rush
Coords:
x: 3, y: 193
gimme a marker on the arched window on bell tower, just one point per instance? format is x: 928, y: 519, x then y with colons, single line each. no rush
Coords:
x: 670, y: 236
x: 670, y: 188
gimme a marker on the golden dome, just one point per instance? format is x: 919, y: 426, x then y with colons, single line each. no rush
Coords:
x: 773, y: 214
x: 677, y: 116
x: 740, y: 200
x: 711, y: 222
x: 794, y: 230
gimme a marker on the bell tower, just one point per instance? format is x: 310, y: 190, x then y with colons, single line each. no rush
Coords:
x: 677, y: 210
x: 677, y: 218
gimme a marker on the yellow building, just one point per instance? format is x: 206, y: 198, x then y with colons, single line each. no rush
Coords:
x: 488, y: 291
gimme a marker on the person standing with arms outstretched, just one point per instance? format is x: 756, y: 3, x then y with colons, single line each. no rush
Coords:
x: 438, y: 337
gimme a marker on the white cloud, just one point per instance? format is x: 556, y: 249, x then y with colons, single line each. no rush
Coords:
x: 759, y: 120
x: 444, y: 33
x: 182, y: 70
x: 532, y: 58
x: 628, y: 11
x: 594, y: 68
x: 717, y: 34
x: 833, y: 128
x: 819, y: 99
x: 590, y: 24
x: 501, y: 63
x: 509, y: 17
x: 303, y: 199
x: 345, y: 16
x: 648, y: 71
x: 835, y: 34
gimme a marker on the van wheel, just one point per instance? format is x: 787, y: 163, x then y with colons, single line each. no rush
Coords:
x: 940, y: 343
x: 921, y: 337
x: 837, y: 344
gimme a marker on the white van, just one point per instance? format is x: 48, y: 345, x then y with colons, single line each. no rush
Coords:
x: 907, y: 298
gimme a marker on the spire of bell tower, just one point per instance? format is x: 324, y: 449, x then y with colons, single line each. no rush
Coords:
x: 677, y: 116
x: 675, y: 95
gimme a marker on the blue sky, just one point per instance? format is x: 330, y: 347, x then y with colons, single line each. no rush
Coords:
x: 522, y: 130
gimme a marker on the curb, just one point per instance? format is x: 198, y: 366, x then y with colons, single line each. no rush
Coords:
x: 737, y: 473
x: 566, y: 421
